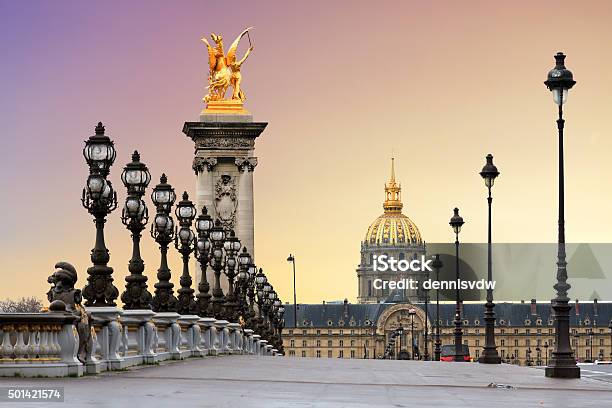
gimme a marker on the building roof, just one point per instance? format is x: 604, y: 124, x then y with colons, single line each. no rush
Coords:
x: 508, y: 314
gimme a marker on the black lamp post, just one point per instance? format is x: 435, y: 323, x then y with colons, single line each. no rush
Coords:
x: 437, y: 265
x: 456, y: 222
x: 217, y: 237
x: 539, y: 356
x: 232, y: 247
x: 411, y: 312
x: 426, y: 353
x: 546, y: 352
x: 244, y: 263
x: 204, y: 224
x: 136, y: 178
x: 591, y: 345
x: 184, y: 241
x: 250, y: 293
x: 489, y: 354
x: 291, y: 259
x: 260, y: 281
x: 562, y: 363
x: 99, y: 199
x: 162, y: 230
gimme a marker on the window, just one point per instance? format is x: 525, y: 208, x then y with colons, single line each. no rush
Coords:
x: 527, y: 342
x: 318, y: 343
x: 304, y: 332
x: 368, y: 343
x: 515, y: 343
x: 304, y: 353
x: 601, y: 342
x: 352, y: 332
x: 369, y: 288
x: 318, y: 332
x: 341, y: 354
x: 352, y: 343
x: 527, y: 331
x: 477, y: 345
x: 318, y: 353
x: 352, y: 353
x: 329, y: 343
x: 303, y: 343
x: 341, y: 343
x: 292, y: 353
x: 477, y: 353
x: 291, y: 331
x: 292, y: 343
x: 341, y: 332
x: 329, y: 332
x: 329, y: 354
x: 503, y: 342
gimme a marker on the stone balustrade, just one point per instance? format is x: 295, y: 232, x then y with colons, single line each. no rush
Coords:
x: 39, y: 344
x: 46, y: 344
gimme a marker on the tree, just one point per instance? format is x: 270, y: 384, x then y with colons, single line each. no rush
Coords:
x: 23, y: 305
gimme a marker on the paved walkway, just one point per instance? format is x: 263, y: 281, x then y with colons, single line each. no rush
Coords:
x: 249, y: 381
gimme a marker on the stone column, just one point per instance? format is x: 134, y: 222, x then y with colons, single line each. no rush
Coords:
x: 244, y: 212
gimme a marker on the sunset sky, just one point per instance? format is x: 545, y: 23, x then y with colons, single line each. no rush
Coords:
x: 343, y: 85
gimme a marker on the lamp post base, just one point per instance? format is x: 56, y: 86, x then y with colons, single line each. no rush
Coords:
x: 562, y: 372
x: 489, y: 356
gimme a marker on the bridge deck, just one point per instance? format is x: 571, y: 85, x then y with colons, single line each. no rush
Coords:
x: 252, y: 381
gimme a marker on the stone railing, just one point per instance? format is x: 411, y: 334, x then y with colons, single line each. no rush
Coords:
x: 46, y: 344
x: 39, y: 344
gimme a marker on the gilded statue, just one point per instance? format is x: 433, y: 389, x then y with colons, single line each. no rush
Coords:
x: 225, y: 69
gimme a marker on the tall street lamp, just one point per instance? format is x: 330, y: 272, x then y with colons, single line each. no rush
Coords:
x: 610, y: 327
x: 411, y: 312
x: 291, y: 259
x: 456, y: 222
x: 217, y: 236
x: 260, y: 281
x: 99, y: 199
x: 562, y: 362
x: 204, y: 224
x: 546, y: 352
x: 244, y: 264
x: 437, y: 265
x: 426, y: 353
x: 489, y: 354
x: 184, y: 240
x: 232, y: 247
x: 162, y: 231
x: 136, y: 178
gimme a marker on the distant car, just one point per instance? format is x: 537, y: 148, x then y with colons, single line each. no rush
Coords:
x: 447, y: 353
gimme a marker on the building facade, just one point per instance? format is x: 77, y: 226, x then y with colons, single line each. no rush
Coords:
x: 524, y: 331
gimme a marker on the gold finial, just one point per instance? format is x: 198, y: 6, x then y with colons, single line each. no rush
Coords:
x: 225, y: 73
x: 393, y: 192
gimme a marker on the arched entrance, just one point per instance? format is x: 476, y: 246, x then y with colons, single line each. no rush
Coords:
x: 411, y: 343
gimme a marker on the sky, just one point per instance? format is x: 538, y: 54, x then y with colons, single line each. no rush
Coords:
x: 344, y: 85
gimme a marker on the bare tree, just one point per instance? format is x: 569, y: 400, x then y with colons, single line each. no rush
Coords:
x: 23, y: 305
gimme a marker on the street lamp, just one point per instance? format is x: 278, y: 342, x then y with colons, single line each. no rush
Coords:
x: 244, y: 263
x: 610, y: 327
x: 260, y: 281
x: 184, y: 241
x: 437, y: 265
x: 456, y: 222
x: 489, y: 354
x: 591, y: 345
x: 217, y: 236
x: 291, y: 259
x: 136, y: 178
x: 562, y: 363
x: 162, y: 231
x: 411, y: 312
x: 204, y: 224
x: 546, y: 352
x: 99, y: 199
x: 232, y: 247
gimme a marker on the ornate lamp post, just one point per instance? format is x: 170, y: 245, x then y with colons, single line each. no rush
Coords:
x: 546, y: 352
x: 411, y: 312
x: 244, y: 263
x: 591, y: 345
x: 562, y: 363
x: 281, y: 325
x: 136, y: 178
x: 437, y: 265
x: 489, y: 354
x: 217, y: 237
x: 204, y: 224
x: 162, y: 230
x: 99, y: 199
x: 456, y: 222
x: 250, y: 293
x: 260, y: 281
x: 184, y: 240
x: 426, y: 353
x: 232, y: 246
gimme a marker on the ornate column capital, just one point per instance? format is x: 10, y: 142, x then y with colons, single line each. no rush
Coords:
x: 246, y: 163
x: 201, y: 163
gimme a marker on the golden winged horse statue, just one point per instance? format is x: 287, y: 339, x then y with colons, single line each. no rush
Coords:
x: 225, y: 69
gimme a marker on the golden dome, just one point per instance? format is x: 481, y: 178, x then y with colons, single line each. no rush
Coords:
x: 393, y: 227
